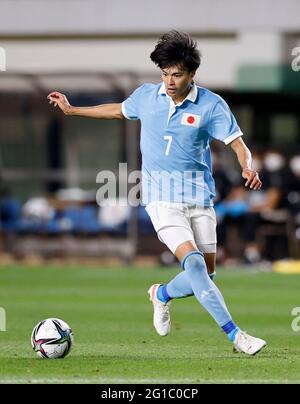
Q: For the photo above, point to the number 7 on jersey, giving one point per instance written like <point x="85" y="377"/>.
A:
<point x="169" y="139"/>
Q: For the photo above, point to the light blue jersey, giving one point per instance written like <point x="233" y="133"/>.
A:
<point x="175" y="142"/>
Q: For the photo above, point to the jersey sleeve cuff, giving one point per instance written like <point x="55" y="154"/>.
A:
<point x="232" y="137"/>
<point x="124" y="110"/>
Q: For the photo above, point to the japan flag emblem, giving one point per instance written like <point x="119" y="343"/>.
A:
<point x="190" y="120"/>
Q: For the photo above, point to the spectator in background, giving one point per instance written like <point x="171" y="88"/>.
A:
<point x="270" y="197"/>
<point x="293" y="186"/>
<point x="266" y="207"/>
<point x="249" y="211"/>
<point x="292" y="199"/>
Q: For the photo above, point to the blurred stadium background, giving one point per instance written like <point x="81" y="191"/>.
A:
<point x="97" y="52"/>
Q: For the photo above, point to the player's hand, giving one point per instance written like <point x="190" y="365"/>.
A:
<point x="61" y="101"/>
<point x="252" y="179"/>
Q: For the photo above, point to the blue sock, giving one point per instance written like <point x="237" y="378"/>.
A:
<point x="180" y="286"/>
<point x="230" y="329"/>
<point x="204" y="289"/>
<point x="162" y="294"/>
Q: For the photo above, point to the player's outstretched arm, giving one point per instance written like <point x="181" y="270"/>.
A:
<point x="104" y="111"/>
<point x="245" y="159"/>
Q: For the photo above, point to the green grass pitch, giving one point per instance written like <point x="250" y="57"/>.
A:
<point x="111" y="316"/>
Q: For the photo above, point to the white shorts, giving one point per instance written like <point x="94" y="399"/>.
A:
<point x="176" y="223"/>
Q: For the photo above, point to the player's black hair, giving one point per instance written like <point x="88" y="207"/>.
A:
<point x="176" y="49"/>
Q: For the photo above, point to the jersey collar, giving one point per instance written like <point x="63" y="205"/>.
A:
<point x="192" y="95"/>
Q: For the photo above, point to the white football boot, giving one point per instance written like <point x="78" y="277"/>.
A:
<point x="161" y="315"/>
<point x="247" y="344"/>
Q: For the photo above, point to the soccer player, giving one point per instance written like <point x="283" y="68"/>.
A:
<point x="178" y="121"/>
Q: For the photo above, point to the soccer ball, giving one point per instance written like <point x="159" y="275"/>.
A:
<point x="52" y="338"/>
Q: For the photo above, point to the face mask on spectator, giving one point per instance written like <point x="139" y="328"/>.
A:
<point x="295" y="165"/>
<point x="273" y="161"/>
